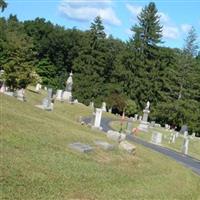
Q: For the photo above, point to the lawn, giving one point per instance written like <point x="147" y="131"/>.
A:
<point x="194" y="144"/>
<point x="36" y="162"/>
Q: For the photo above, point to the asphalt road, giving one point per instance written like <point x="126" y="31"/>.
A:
<point x="185" y="160"/>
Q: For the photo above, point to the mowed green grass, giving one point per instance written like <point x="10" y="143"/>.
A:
<point x="194" y="144"/>
<point x="36" y="162"/>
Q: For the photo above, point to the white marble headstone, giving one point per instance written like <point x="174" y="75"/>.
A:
<point x="98" y="115"/>
<point x="156" y="138"/>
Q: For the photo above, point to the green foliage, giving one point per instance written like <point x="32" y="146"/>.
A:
<point x="105" y="68"/>
<point x="3" y="5"/>
<point x="117" y="102"/>
<point x="131" y="107"/>
<point x="149" y="30"/>
<point x="17" y="56"/>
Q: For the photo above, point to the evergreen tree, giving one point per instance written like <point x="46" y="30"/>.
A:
<point x="191" y="45"/>
<point x="90" y="65"/>
<point x="147" y="35"/>
<point x="149" y="30"/>
<point x="17" y="59"/>
<point x="3" y="5"/>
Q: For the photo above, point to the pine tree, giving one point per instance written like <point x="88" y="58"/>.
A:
<point x="191" y="46"/>
<point x="147" y="36"/>
<point x="3" y="5"/>
<point x="149" y="30"/>
<point x="187" y="63"/>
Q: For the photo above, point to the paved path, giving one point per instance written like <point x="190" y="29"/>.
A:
<point x="185" y="160"/>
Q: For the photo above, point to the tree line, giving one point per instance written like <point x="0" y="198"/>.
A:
<point x="123" y="74"/>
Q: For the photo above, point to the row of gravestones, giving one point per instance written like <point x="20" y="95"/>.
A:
<point x="19" y="93"/>
<point x="157" y="139"/>
<point x="114" y="135"/>
<point x="156" y="136"/>
<point x="120" y="138"/>
<point x="85" y="148"/>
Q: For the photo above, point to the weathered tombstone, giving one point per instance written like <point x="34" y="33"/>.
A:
<point x="91" y="105"/>
<point x="167" y="126"/>
<point x="130" y="148"/>
<point x="9" y="93"/>
<point x="47" y="102"/>
<point x="157" y="125"/>
<point x="83" y="148"/>
<point x="67" y="94"/>
<point x="3" y="88"/>
<point x="144" y="122"/>
<point x="173" y="138"/>
<point x="185" y="145"/>
<point x="103" y="107"/>
<point x="152" y="123"/>
<point x="140" y="118"/>
<point x="92" y="119"/>
<point x="116" y="136"/>
<point x="59" y="95"/>
<point x="38" y="87"/>
<point x="136" y="117"/>
<point x="110" y="110"/>
<point x="183" y="129"/>
<point x="185" y="134"/>
<point x="20" y="94"/>
<point x="104" y="145"/>
<point x="97" y="120"/>
<point x="156" y="138"/>
<point x="75" y="101"/>
<point x="177" y="134"/>
<point x="129" y="127"/>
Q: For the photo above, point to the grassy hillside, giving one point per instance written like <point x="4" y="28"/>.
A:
<point x="36" y="162"/>
<point x="194" y="144"/>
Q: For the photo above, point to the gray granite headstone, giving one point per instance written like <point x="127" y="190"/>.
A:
<point x="20" y="94"/>
<point x="84" y="148"/>
<point x="185" y="145"/>
<point x="184" y="128"/>
<point x="104" y="145"/>
<point x="127" y="146"/>
<point x="156" y="138"/>
<point x="129" y="127"/>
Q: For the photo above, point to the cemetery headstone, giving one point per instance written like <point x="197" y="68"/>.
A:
<point x="152" y="123"/>
<point x="185" y="145"/>
<point x="173" y="138"/>
<point x="130" y="148"/>
<point x="116" y="136"/>
<point x="67" y="94"/>
<point x="47" y="103"/>
<point x="129" y="127"/>
<point x="59" y="95"/>
<point x="83" y="148"/>
<point x="3" y="88"/>
<point x="38" y="87"/>
<point x="97" y="120"/>
<point x="20" y="94"/>
<point x="185" y="134"/>
<point x="91" y="105"/>
<point x="144" y="122"/>
<point x="103" y="106"/>
<point x="183" y="129"/>
<point x="104" y="145"/>
<point x="136" y="117"/>
<point x="156" y="138"/>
